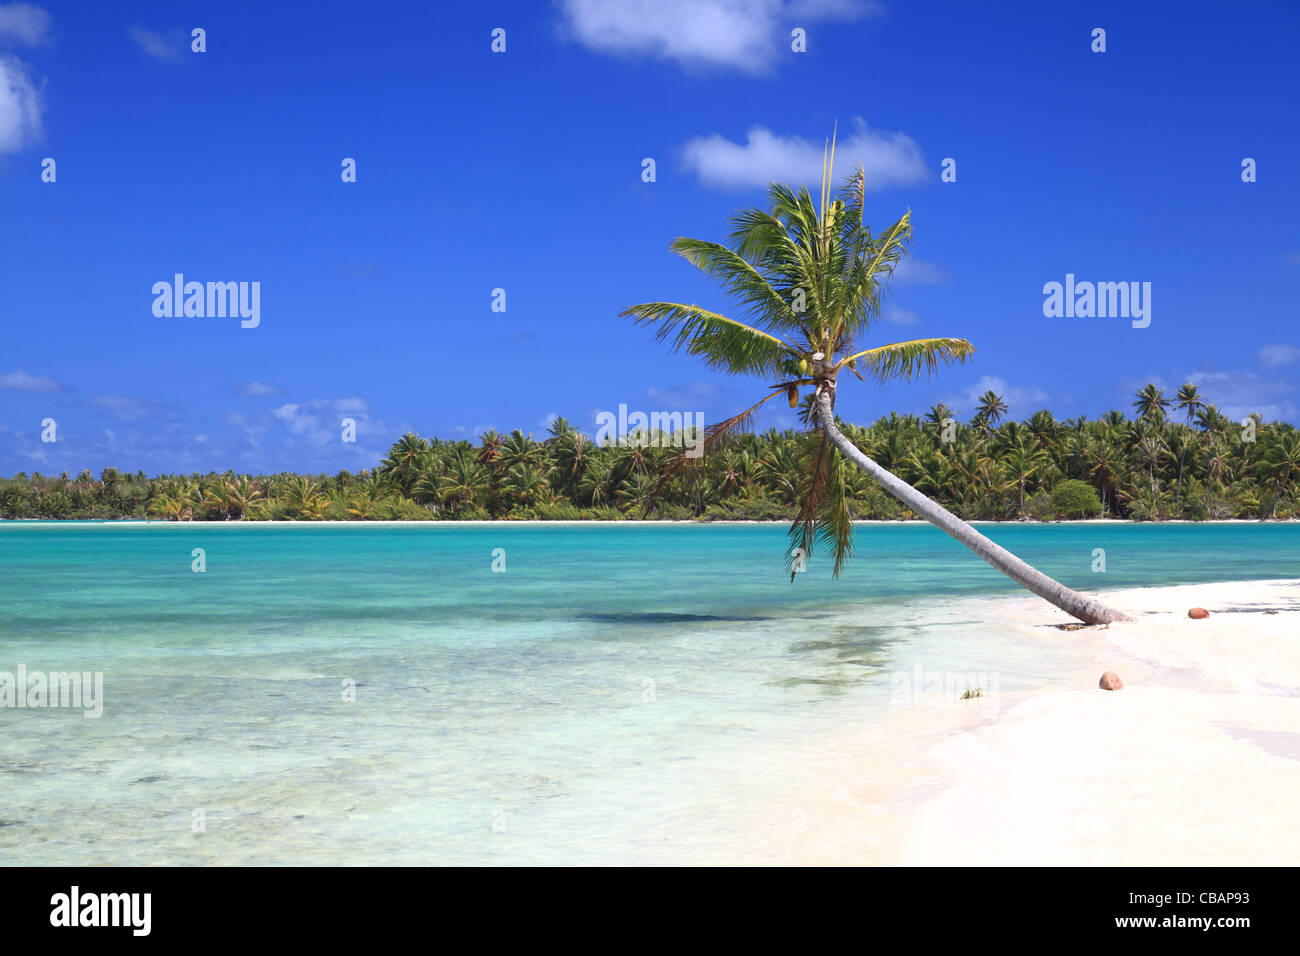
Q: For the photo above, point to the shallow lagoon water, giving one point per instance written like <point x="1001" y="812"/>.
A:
<point x="622" y="693"/>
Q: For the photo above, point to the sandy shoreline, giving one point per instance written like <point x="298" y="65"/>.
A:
<point x="1195" y="762"/>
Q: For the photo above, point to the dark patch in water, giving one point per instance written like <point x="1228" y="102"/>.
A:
<point x="855" y="645"/>
<point x="154" y="779"/>
<point x="826" y="682"/>
<point x="657" y="617"/>
<point x="12" y="823"/>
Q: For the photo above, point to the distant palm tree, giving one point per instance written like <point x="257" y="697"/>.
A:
<point x="1218" y="462"/>
<point x="938" y="414"/>
<point x="808" y="276"/>
<point x="170" y="509"/>
<point x="403" y="461"/>
<point x="1021" y="465"/>
<point x="780" y="471"/>
<point x="464" y="481"/>
<point x="734" y="472"/>
<point x="1102" y="459"/>
<point x="990" y="408"/>
<point x="306" y="499"/>
<point x="1212" y="420"/>
<point x="519" y="449"/>
<point x="1151" y="403"/>
<point x="594" y="486"/>
<point x="365" y="504"/>
<point x="1044" y="427"/>
<point x="1280" y="464"/>
<point x="559" y="429"/>
<point x="1151" y="448"/>
<point x="1187" y="400"/>
<point x="527" y="486"/>
<point x="490" y="443"/>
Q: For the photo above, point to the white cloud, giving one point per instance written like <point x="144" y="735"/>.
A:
<point x="256" y="389"/>
<point x="1271" y="356"/>
<point x="351" y="405"/>
<point x="465" y="430"/>
<point x="919" y="272"/>
<point x="901" y="316"/>
<point x="20" y="106"/>
<point x="738" y="34"/>
<point x="24" y="23"/>
<point x="1238" y="394"/>
<point x="22" y="382"/>
<point x="888" y="159"/>
<point x="320" y="421"/>
<point x="1022" y="400"/>
<point x="170" y="46"/>
<point x="132" y="408"/>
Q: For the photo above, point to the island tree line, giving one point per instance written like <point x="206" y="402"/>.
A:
<point x="1175" y="458"/>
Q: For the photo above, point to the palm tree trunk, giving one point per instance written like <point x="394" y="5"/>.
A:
<point x="1086" y="609"/>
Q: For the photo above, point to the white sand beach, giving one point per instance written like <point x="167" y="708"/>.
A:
<point x="1196" y="761"/>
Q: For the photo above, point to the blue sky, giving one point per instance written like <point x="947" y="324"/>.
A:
<point x="522" y="170"/>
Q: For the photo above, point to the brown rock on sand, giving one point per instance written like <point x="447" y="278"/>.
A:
<point x="1110" y="681"/>
<point x="1198" y="613"/>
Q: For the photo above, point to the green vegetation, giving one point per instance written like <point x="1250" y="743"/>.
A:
<point x="808" y="280"/>
<point x="1148" y="468"/>
<point x="1073" y="498"/>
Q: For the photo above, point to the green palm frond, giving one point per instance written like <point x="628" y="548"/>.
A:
<point x="906" y="360"/>
<point x="810" y="278"/>
<point x="824" y="516"/>
<point x="763" y="302"/>
<point x="889" y="247"/>
<point x="723" y="343"/>
<point x="872" y="263"/>
<point x="812" y="483"/>
<point x="679" y="463"/>
<point x="834" y="522"/>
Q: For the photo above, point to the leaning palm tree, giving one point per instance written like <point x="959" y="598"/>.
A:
<point x="809" y="278"/>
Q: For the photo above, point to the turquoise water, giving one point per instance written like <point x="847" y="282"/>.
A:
<point x="621" y="693"/>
